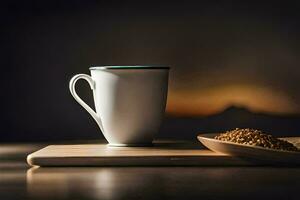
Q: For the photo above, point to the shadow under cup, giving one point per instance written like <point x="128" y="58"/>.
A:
<point x="130" y="102"/>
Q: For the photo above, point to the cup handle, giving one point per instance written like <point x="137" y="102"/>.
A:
<point x="80" y="101"/>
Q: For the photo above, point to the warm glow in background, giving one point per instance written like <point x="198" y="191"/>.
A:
<point x="214" y="100"/>
<point x="242" y="55"/>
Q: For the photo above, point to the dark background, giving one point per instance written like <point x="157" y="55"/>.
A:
<point x="233" y="63"/>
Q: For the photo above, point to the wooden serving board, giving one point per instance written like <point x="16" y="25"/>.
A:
<point x="160" y="154"/>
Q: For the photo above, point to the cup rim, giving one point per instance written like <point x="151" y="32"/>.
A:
<point x="105" y="67"/>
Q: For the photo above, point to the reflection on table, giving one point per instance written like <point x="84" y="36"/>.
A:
<point x="162" y="182"/>
<point x="17" y="181"/>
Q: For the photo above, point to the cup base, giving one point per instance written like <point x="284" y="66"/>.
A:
<point x="131" y="145"/>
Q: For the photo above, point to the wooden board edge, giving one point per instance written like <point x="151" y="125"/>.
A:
<point x="138" y="161"/>
<point x="31" y="157"/>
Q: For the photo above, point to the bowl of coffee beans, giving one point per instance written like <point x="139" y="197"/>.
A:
<point x="253" y="143"/>
<point x="255" y="137"/>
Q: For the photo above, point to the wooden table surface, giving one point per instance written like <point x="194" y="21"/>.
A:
<point x="19" y="181"/>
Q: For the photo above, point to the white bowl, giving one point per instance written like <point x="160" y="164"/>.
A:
<point x="254" y="153"/>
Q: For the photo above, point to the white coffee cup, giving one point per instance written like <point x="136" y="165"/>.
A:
<point x="130" y="101"/>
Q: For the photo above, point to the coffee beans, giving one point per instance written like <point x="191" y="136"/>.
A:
<point x="256" y="138"/>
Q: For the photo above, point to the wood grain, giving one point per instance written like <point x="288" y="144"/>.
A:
<point x="161" y="154"/>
